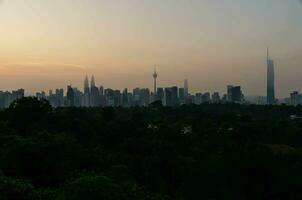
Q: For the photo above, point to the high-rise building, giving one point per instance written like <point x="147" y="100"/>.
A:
<point x="229" y="93"/>
<point x="86" y="96"/>
<point x="125" y="98"/>
<point x="109" y="97"/>
<point x="206" y="97"/>
<point x="160" y="94"/>
<point x="70" y="96"/>
<point x="295" y="98"/>
<point x="60" y="97"/>
<point x="174" y="91"/>
<point x="86" y="85"/>
<point x="270" y="80"/>
<point x="94" y="97"/>
<point x="215" y="97"/>
<point x="136" y="96"/>
<point x="234" y="94"/>
<point x="181" y="93"/>
<point x="6" y="98"/>
<point x="94" y="94"/>
<point x="168" y="97"/>
<point x="144" y="96"/>
<point x="186" y="88"/>
<point x="101" y="91"/>
<point x="117" y="98"/>
<point x="197" y="98"/>
<point x="102" y="96"/>
<point x="77" y="97"/>
<point x="92" y="81"/>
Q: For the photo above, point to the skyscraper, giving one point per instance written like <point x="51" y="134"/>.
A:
<point x="270" y="80"/>
<point x="295" y="98"/>
<point x="186" y="88"/>
<point x="86" y="85"/>
<point x="160" y="94"/>
<point x="94" y="93"/>
<point x="70" y="96"/>
<point x="86" y="97"/>
<point x="92" y="83"/>
<point x="234" y="94"/>
<point x="181" y="94"/>
<point x="174" y="92"/>
<point x="168" y="97"/>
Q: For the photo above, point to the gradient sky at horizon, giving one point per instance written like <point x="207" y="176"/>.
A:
<point x="51" y="43"/>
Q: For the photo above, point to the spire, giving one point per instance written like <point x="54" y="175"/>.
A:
<point x="86" y="84"/>
<point x="267" y="53"/>
<point x="155" y="73"/>
<point x="92" y="84"/>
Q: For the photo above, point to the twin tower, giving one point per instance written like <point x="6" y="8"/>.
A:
<point x="86" y="84"/>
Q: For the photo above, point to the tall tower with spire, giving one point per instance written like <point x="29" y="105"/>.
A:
<point x="86" y="85"/>
<point x="270" y="80"/>
<point x="155" y="75"/>
<point x="86" y="96"/>
<point x="92" y="83"/>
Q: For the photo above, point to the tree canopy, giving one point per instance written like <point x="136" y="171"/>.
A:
<point x="211" y="152"/>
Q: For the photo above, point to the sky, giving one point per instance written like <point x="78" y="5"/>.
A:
<point x="213" y="43"/>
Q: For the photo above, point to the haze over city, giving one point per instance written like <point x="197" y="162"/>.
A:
<point x="51" y="43"/>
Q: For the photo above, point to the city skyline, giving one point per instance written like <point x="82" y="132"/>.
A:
<point x="48" y="44"/>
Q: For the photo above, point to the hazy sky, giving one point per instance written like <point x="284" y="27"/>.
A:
<point x="48" y="44"/>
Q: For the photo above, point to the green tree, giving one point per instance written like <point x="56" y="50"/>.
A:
<point x="92" y="187"/>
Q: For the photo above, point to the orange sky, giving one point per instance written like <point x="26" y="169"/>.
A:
<point x="51" y="43"/>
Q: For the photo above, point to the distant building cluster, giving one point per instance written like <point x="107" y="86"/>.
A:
<point x="295" y="99"/>
<point x="98" y="96"/>
<point x="6" y="98"/>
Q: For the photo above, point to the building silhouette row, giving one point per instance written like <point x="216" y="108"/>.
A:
<point x="98" y="96"/>
<point x="94" y="96"/>
<point x="6" y="98"/>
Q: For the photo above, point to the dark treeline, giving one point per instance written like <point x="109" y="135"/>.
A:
<point x="211" y="152"/>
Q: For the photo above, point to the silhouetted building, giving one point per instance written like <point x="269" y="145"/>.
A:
<point x="168" y="97"/>
<point x="78" y="97"/>
<point x="70" y="96"/>
<point x="186" y="88"/>
<point x="270" y="80"/>
<point x="144" y="97"/>
<point x="181" y="94"/>
<point x="197" y="98"/>
<point x="234" y="94"/>
<point x="59" y="97"/>
<point x="94" y="94"/>
<point x="174" y="91"/>
<point x="109" y="97"/>
<point x="6" y="98"/>
<point x="206" y="97"/>
<point x="215" y="97"/>
<point x="86" y="97"/>
<point x="295" y="98"/>
<point x="161" y="95"/>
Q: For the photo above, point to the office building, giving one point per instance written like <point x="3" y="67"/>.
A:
<point x="270" y="80"/>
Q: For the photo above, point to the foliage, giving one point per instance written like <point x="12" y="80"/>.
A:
<point x="211" y="151"/>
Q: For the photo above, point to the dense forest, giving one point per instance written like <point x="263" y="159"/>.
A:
<point x="210" y="152"/>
